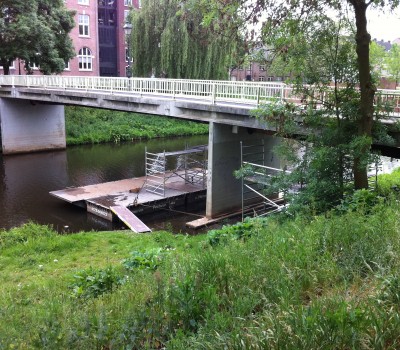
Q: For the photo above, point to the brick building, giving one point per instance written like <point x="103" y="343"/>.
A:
<point x="98" y="38"/>
<point x="253" y="72"/>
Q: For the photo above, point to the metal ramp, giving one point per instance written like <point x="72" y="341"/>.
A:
<point x="255" y="180"/>
<point x="129" y="219"/>
<point x="191" y="165"/>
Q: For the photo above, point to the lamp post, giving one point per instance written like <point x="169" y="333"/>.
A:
<point x="128" y="30"/>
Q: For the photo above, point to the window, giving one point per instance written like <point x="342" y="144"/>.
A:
<point x="83" y="2"/>
<point x="126" y="14"/>
<point x="67" y="67"/>
<point x="85" y="59"/>
<point x="262" y="66"/>
<point x="83" y="22"/>
<point x="127" y="2"/>
<point x="140" y="3"/>
<point x="261" y="78"/>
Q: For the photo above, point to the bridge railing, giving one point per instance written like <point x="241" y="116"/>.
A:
<point x="211" y="91"/>
<point x="208" y="91"/>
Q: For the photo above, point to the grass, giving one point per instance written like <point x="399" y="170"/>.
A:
<point x="88" y="125"/>
<point x="329" y="282"/>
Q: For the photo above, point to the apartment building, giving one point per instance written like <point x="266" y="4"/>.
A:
<point x="98" y="38"/>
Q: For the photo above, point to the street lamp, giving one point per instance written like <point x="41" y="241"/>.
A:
<point x="128" y="30"/>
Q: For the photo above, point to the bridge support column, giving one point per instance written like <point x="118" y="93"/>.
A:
<point x="224" y="192"/>
<point x="30" y="127"/>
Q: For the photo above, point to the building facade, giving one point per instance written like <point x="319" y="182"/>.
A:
<point x="253" y="72"/>
<point x="98" y="38"/>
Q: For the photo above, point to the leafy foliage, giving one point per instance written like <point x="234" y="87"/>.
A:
<point x="239" y="231"/>
<point x="37" y="32"/>
<point x="171" y="40"/>
<point x="92" y="283"/>
<point x="148" y="260"/>
<point x="393" y="63"/>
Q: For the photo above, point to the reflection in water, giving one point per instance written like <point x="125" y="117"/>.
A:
<point x="26" y="180"/>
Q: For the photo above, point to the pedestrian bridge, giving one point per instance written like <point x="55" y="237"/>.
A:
<point x="32" y="116"/>
<point x="226" y="102"/>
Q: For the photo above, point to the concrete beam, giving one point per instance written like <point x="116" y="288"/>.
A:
<point x="31" y="126"/>
<point x="224" y="191"/>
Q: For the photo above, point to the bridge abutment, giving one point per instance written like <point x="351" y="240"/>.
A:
<point x="224" y="192"/>
<point x="31" y="126"/>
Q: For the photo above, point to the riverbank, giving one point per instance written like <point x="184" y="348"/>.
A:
<point x="329" y="281"/>
<point x="90" y="126"/>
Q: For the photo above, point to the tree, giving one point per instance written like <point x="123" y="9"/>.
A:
<point x="169" y="38"/>
<point x="393" y="63"/>
<point x="378" y="59"/>
<point x="37" y="32"/>
<point x="270" y="15"/>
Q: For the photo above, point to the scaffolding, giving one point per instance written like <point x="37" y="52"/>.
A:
<point x="191" y="165"/>
<point x="255" y="181"/>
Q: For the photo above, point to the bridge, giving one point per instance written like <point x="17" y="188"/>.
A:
<point x="32" y="116"/>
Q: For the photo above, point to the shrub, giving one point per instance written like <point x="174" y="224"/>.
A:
<point x="143" y="260"/>
<point x="240" y="231"/>
<point x="92" y="283"/>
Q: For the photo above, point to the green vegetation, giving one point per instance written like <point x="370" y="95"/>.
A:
<point x="86" y="125"/>
<point x="329" y="282"/>
<point x="36" y="32"/>
<point x="180" y="45"/>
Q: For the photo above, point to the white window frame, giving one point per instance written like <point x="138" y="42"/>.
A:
<point x="83" y="2"/>
<point x="84" y="24"/>
<point x="85" y="59"/>
<point x="127" y="2"/>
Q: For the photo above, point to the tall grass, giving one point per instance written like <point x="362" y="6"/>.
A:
<point x="89" y="125"/>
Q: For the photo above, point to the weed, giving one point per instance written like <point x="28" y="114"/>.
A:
<point x="92" y="283"/>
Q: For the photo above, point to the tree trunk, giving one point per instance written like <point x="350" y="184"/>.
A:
<point x="367" y="90"/>
<point x="6" y="66"/>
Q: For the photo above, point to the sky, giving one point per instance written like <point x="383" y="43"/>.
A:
<point x="384" y="26"/>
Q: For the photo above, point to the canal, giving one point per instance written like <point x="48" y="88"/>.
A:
<point x="27" y="179"/>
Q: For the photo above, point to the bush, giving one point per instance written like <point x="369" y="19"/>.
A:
<point x="143" y="260"/>
<point x="239" y="231"/>
<point x="91" y="283"/>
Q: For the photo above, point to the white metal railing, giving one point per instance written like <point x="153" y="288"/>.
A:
<point x="252" y="93"/>
<point x="208" y="91"/>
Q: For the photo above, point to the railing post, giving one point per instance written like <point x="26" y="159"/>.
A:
<point x="282" y="92"/>
<point x="141" y="87"/>
<point x="258" y="95"/>
<point x="213" y="93"/>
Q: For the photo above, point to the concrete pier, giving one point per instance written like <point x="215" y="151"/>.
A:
<point x="223" y="189"/>
<point x="31" y="126"/>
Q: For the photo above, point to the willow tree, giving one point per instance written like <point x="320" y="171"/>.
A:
<point x="37" y="32"/>
<point x="170" y="39"/>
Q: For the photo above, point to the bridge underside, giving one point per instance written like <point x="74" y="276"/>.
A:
<point x="29" y="126"/>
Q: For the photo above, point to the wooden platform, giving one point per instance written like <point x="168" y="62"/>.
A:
<point x="99" y="198"/>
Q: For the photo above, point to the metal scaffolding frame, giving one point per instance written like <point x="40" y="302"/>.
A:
<point x="254" y="202"/>
<point x="191" y="165"/>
